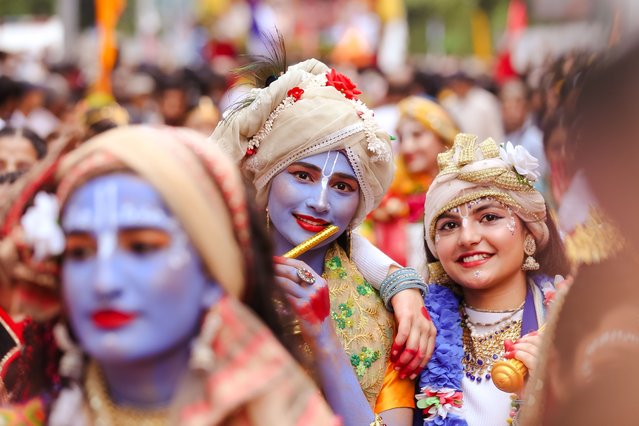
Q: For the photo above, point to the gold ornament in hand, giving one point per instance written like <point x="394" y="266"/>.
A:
<point x="311" y="242"/>
<point x="509" y="375"/>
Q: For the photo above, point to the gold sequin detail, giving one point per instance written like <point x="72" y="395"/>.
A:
<point x="370" y="326"/>
<point x="465" y="151"/>
<point x="497" y="176"/>
<point x="466" y="145"/>
<point x="489" y="148"/>
<point x="594" y="240"/>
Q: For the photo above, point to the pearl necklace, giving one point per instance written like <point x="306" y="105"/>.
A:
<point x="492" y="311"/>
<point x="471" y="324"/>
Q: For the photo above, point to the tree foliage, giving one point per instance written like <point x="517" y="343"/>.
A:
<point x="11" y="8"/>
<point x="456" y="16"/>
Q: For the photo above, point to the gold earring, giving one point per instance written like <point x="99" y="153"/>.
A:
<point x="268" y="222"/>
<point x="349" y="235"/>
<point x="530" y="247"/>
<point x="437" y="274"/>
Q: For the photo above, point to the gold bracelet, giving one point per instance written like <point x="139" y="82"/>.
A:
<point x="378" y="421"/>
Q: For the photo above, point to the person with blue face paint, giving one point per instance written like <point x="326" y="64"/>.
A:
<point x="316" y="157"/>
<point x="159" y="258"/>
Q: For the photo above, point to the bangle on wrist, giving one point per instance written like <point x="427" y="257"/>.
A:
<point x="400" y="280"/>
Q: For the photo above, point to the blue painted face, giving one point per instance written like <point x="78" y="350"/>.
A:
<point x="133" y="285"/>
<point x="311" y="194"/>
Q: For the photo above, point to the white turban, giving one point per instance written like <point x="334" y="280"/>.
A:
<point x="304" y="113"/>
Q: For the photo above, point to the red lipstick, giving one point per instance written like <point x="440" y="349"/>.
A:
<point x="109" y="319"/>
<point x="473" y="259"/>
<point x="311" y="224"/>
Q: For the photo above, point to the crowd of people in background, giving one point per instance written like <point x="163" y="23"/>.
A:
<point x="430" y="116"/>
<point x="533" y="114"/>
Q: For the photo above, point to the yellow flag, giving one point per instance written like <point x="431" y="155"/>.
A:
<point x="482" y="43"/>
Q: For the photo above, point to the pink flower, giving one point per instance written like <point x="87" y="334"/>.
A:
<point x="440" y="403"/>
<point x="549" y="297"/>
<point x="342" y="83"/>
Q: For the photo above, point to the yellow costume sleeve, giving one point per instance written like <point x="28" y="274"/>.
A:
<point x="395" y="392"/>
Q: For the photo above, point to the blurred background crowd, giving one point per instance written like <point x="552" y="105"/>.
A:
<point x="508" y="69"/>
<point x="512" y="70"/>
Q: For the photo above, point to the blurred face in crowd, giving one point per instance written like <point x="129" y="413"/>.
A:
<point x="31" y="100"/>
<point x="555" y="147"/>
<point x="173" y="106"/>
<point x="16" y="154"/>
<point x="418" y="146"/>
<point x="514" y="106"/>
<point x="460" y="86"/>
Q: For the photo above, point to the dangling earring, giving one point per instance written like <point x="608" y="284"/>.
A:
<point x="202" y="355"/>
<point x="268" y="222"/>
<point x="71" y="361"/>
<point x="349" y="236"/>
<point x="437" y="274"/>
<point x="530" y="264"/>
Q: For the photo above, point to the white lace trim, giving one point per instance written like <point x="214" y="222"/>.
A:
<point x="375" y="145"/>
<point x="255" y="141"/>
<point x="266" y="128"/>
<point x="364" y="186"/>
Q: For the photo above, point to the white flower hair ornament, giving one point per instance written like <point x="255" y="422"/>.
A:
<point x="524" y="164"/>
<point x="41" y="228"/>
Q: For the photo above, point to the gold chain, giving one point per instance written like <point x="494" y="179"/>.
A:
<point x="481" y="352"/>
<point x="493" y="311"/>
<point x="106" y="413"/>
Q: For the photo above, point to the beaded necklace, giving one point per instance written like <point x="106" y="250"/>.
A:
<point x="106" y="413"/>
<point x="481" y="351"/>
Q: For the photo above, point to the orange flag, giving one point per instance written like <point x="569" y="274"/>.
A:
<point x="107" y="13"/>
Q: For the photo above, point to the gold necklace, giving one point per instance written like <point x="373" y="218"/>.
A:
<point x="106" y="413"/>
<point x="482" y="351"/>
<point x="492" y="311"/>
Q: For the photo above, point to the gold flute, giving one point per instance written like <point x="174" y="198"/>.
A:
<point x="510" y="375"/>
<point x="311" y="242"/>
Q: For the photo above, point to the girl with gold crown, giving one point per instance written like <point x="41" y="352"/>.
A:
<point x="146" y="257"/>
<point x="317" y="157"/>
<point x="493" y="254"/>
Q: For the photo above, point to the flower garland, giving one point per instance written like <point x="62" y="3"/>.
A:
<point x="441" y="397"/>
<point x="444" y="371"/>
